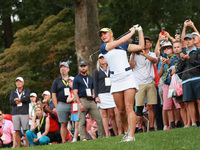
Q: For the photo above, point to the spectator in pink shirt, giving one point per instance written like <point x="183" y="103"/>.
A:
<point x="7" y="132"/>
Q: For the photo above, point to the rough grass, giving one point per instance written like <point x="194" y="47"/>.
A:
<point x="176" y="139"/>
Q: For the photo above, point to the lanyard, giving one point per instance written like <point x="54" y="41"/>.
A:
<point x="32" y="106"/>
<point x="50" y="100"/>
<point x="106" y="72"/>
<point x="72" y="94"/>
<point x="3" y="125"/>
<point x="41" y="123"/>
<point x="66" y="84"/>
<point x="86" y="83"/>
<point x="19" y="95"/>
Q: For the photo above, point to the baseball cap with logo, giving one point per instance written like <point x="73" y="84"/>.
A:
<point x="190" y="36"/>
<point x="100" y="55"/>
<point x="33" y="94"/>
<point x="104" y="30"/>
<point x="82" y="63"/>
<point x="46" y="93"/>
<point x="166" y="44"/>
<point x="64" y="64"/>
<point x="195" y="33"/>
<point x="20" y="79"/>
<point x="71" y="78"/>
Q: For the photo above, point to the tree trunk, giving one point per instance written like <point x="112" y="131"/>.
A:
<point x="86" y="28"/>
<point x="6" y="9"/>
<point x="8" y="35"/>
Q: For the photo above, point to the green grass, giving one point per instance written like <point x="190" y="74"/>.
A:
<point x="176" y="139"/>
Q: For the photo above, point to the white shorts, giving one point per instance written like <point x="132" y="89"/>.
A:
<point x="107" y="101"/>
<point x="123" y="81"/>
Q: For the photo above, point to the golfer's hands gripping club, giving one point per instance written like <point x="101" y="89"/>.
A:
<point x="137" y="27"/>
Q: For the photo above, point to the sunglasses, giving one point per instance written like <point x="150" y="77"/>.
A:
<point x="36" y="106"/>
<point x="167" y="48"/>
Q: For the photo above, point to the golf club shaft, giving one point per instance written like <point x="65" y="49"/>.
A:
<point x="115" y="39"/>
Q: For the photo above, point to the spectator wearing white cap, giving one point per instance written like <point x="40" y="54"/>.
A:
<point x="168" y="59"/>
<point x="60" y="91"/>
<point x="47" y="98"/>
<point x="19" y="100"/>
<point x="33" y="101"/>
<point x="102" y="94"/>
<point x="196" y="39"/>
<point x="191" y="77"/>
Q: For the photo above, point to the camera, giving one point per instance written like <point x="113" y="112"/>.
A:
<point x="187" y="18"/>
<point x="164" y="55"/>
<point x="178" y="31"/>
<point x="162" y="30"/>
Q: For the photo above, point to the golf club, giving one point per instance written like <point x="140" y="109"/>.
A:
<point x="90" y="57"/>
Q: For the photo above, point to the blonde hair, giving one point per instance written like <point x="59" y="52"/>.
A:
<point x="38" y="106"/>
<point x="98" y="64"/>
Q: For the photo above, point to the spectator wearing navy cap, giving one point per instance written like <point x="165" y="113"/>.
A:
<point x="84" y="95"/>
<point x="144" y="74"/>
<point x="189" y="23"/>
<point x="191" y="77"/>
<point x="60" y="91"/>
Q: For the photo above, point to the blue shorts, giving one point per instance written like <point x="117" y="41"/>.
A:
<point x="74" y="117"/>
<point x="191" y="90"/>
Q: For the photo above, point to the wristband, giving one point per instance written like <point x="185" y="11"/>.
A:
<point x="80" y="104"/>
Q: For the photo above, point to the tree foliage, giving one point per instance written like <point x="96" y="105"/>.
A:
<point x="36" y="53"/>
<point x="28" y="12"/>
<point x="151" y="15"/>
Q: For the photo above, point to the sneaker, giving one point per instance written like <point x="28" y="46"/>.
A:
<point x="151" y="129"/>
<point x="84" y="140"/>
<point x="125" y="134"/>
<point x="179" y="124"/>
<point x="198" y="123"/>
<point x="165" y="128"/>
<point x="74" y="140"/>
<point x="194" y="125"/>
<point x="107" y="136"/>
<point x="172" y="125"/>
<point x="128" y="139"/>
<point x="140" y="130"/>
<point x="168" y="128"/>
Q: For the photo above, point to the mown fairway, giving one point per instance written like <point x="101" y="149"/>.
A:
<point x="177" y="139"/>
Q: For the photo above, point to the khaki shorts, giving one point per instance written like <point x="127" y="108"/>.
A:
<point x="20" y="121"/>
<point x="146" y="90"/>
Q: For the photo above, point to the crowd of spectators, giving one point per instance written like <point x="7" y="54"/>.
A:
<point x="83" y="108"/>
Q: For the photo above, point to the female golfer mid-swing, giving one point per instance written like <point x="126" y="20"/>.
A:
<point x="123" y="84"/>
